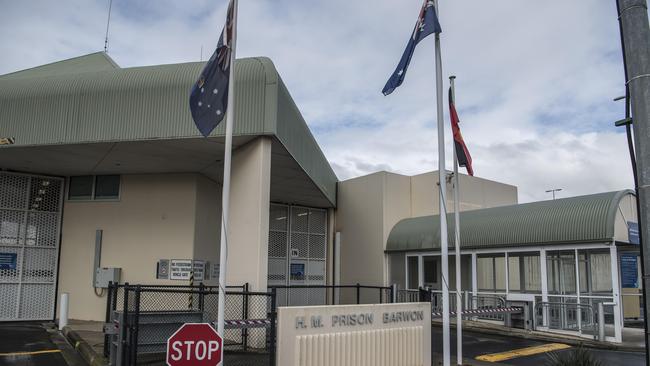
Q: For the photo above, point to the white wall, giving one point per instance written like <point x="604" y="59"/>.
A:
<point x="368" y="207"/>
<point x="153" y="219"/>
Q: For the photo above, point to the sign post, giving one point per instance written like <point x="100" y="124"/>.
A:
<point x="195" y="344"/>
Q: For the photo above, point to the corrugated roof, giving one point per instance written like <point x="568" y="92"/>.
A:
<point x="54" y="104"/>
<point x="580" y="219"/>
<point x="98" y="61"/>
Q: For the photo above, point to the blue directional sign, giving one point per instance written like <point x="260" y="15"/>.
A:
<point x="8" y="261"/>
<point x="629" y="275"/>
<point x="633" y="233"/>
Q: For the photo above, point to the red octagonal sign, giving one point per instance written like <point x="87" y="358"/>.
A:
<point x="195" y="344"/>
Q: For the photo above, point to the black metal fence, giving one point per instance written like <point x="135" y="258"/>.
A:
<point x="141" y="318"/>
<point x="299" y="295"/>
<point x="144" y="317"/>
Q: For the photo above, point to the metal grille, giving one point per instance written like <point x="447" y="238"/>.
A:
<point x="30" y="217"/>
<point x="298" y="251"/>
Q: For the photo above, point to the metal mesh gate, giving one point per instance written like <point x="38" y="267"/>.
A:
<point x="30" y="220"/>
<point x="297" y="252"/>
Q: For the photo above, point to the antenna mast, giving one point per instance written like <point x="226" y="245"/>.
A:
<point x="108" y="22"/>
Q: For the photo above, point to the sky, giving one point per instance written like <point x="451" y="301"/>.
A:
<point x="534" y="90"/>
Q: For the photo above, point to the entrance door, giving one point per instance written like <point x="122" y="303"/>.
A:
<point x="30" y="221"/>
<point x="563" y="313"/>
<point x="297" y="253"/>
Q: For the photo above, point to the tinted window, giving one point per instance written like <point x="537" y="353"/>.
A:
<point x="81" y="188"/>
<point x="107" y="186"/>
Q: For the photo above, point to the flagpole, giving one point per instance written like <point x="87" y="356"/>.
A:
<point x="225" y="193"/>
<point x="444" y="253"/>
<point x="459" y="298"/>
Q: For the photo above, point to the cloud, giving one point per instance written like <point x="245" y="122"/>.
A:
<point x="534" y="90"/>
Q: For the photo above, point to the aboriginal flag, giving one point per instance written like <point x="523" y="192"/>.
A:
<point x="464" y="158"/>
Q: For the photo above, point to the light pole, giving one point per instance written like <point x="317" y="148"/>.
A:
<point x="553" y="191"/>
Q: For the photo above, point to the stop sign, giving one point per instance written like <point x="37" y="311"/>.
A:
<point x="194" y="344"/>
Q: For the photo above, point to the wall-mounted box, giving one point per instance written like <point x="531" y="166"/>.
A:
<point x="105" y="275"/>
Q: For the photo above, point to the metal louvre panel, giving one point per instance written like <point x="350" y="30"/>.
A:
<point x="36" y="301"/>
<point x="39" y="265"/>
<point x="278" y="218"/>
<point x="277" y="244"/>
<point x="300" y="242"/>
<point x="299" y="220"/>
<point x="30" y="220"/>
<point x="8" y="300"/>
<point x="45" y="194"/>
<point x="317" y="246"/>
<point x="14" y="191"/>
<point x="11" y="227"/>
<point x="317" y="222"/>
<point x="42" y="229"/>
<point x="11" y="275"/>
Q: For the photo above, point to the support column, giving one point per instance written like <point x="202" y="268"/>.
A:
<point x="474" y="283"/>
<point x="250" y="196"/>
<point x="544" y="283"/>
<point x="616" y="292"/>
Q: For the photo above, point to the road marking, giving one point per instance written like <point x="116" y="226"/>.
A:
<point x="30" y="353"/>
<point x="528" y="351"/>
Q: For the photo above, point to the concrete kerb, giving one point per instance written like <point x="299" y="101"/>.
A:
<point x="486" y="328"/>
<point x="85" y="350"/>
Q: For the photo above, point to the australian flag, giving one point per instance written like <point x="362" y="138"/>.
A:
<point x="427" y="23"/>
<point x="209" y="95"/>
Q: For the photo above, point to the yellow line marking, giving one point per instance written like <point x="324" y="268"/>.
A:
<point x="502" y="356"/>
<point x="30" y="353"/>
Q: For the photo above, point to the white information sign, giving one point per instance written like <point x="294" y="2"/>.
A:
<point x="199" y="270"/>
<point x="397" y="334"/>
<point x="180" y="269"/>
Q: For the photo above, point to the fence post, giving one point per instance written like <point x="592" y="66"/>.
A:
<point x="272" y="346"/>
<point x="393" y="293"/>
<point x="201" y="298"/>
<point x="125" y="325"/>
<point x="381" y="295"/>
<point x="245" y="315"/>
<point x="358" y="293"/>
<point x="466" y="299"/>
<point x="136" y="326"/>
<point x="109" y="306"/>
<point x="421" y="295"/>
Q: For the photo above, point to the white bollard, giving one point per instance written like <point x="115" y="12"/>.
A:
<point x="63" y="311"/>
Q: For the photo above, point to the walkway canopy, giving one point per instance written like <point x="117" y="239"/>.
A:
<point x="594" y="218"/>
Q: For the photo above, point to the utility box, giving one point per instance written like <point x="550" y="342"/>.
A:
<point x="105" y="275"/>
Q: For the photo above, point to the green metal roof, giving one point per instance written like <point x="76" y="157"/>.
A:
<point x="90" y="99"/>
<point x="583" y="219"/>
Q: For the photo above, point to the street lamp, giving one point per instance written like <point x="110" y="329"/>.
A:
<point x="553" y="191"/>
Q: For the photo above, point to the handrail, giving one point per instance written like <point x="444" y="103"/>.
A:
<point x="566" y="306"/>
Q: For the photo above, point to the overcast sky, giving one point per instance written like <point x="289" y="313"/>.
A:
<point x="534" y="90"/>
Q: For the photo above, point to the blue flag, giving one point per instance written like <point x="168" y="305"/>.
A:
<point x="209" y="95"/>
<point x="427" y="23"/>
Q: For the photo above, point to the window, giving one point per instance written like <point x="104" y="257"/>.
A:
<point x="430" y="271"/>
<point x="595" y="272"/>
<point x="413" y="273"/>
<point x="91" y="187"/>
<point x="524" y="272"/>
<point x="491" y="272"/>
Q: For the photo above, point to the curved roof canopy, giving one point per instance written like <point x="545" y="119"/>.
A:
<point x="91" y="100"/>
<point x="583" y="219"/>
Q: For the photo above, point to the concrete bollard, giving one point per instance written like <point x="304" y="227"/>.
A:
<point x="63" y="311"/>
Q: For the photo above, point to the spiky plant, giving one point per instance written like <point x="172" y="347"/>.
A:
<point x="576" y="357"/>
